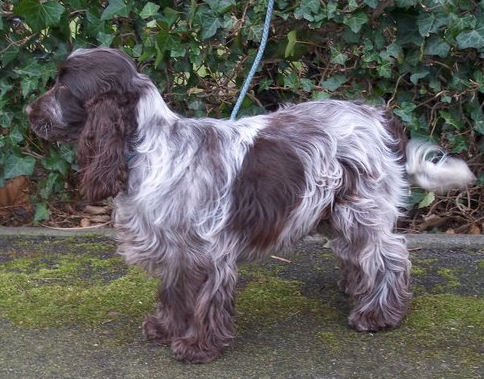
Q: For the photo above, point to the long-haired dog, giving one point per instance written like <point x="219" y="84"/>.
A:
<point x="195" y="196"/>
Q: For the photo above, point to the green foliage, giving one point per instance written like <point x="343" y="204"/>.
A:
<point x="421" y="58"/>
<point x="39" y="15"/>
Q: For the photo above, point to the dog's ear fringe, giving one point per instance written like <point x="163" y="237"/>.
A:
<point x="102" y="147"/>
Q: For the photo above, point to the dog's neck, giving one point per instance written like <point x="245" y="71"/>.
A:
<point x="152" y="106"/>
<point x="151" y="110"/>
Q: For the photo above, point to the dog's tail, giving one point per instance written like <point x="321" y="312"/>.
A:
<point x="429" y="167"/>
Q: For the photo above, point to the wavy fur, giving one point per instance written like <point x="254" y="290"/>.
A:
<point x="431" y="168"/>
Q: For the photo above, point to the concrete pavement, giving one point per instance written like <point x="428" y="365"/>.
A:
<point x="69" y="308"/>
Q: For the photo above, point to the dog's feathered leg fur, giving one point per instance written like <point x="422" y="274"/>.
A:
<point x="376" y="273"/>
<point x="211" y="327"/>
<point x="374" y="261"/>
<point x="196" y="310"/>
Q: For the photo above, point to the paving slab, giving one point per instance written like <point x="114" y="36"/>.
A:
<point x="70" y="308"/>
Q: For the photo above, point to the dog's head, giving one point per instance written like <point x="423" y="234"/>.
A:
<point x="93" y="103"/>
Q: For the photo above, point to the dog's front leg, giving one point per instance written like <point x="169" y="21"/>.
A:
<point x="171" y="319"/>
<point x="196" y="310"/>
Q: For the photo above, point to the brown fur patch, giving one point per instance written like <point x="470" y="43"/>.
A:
<point x="397" y="130"/>
<point x="267" y="189"/>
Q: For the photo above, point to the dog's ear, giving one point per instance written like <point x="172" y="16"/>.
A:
<point x="102" y="148"/>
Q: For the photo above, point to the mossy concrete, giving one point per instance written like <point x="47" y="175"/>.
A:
<point x="69" y="307"/>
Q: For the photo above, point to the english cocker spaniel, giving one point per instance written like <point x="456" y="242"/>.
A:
<point x="195" y="196"/>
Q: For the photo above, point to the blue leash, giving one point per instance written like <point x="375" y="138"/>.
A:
<point x="258" y="57"/>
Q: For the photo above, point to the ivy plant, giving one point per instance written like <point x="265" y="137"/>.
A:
<point x="422" y="59"/>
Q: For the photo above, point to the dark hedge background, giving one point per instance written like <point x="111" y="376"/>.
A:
<point x="423" y="59"/>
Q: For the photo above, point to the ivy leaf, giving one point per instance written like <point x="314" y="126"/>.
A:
<point x="47" y="185"/>
<point x="331" y="10"/>
<point x="395" y="50"/>
<point x="458" y="142"/>
<point x="54" y="162"/>
<point x="209" y="28"/>
<point x="149" y="10"/>
<point x="479" y="126"/>
<point x="427" y="200"/>
<point x="416" y="76"/>
<point x="385" y="70"/>
<point x="477" y="116"/>
<point x="446" y="99"/>
<point x="334" y="82"/>
<point x="352" y="5"/>
<point x="307" y="85"/>
<point x="28" y="85"/>
<point x="16" y="166"/>
<point x="320" y="95"/>
<point x="10" y="55"/>
<point x="41" y="212"/>
<point x="437" y="46"/>
<point x="405" y="112"/>
<point x="33" y="69"/>
<point x="356" y="21"/>
<point x="451" y="119"/>
<point x="425" y="24"/>
<point x="15" y="136"/>
<point x="291" y="81"/>
<point x="221" y="6"/>
<point x="338" y="57"/>
<point x="473" y="39"/>
<point x="34" y="73"/>
<point x="415" y="197"/>
<point x="105" y="39"/>
<point x="170" y="16"/>
<point x="459" y="81"/>
<point x="435" y="84"/>
<point x="178" y="51"/>
<point x="264" y="84"/>
<point x="372" y="3"/>
<point x="479" y="79"/>
<point x="407" y="31"/>
<point x="254" y="32"/>
<point x="307" y="9"/>
<point x="115" y="8"/>
<point x="40" y="15"/>
<point x="291" y="42"/>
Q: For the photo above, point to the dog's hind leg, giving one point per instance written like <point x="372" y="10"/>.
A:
<point x="375" y="265"/>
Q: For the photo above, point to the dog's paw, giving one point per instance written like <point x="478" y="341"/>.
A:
<point x="154" y="331"/>
<point x="373" y="320"/>
<point x="187" y="351"/>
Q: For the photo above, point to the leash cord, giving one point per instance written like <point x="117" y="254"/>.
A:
<point x="253" y="69"/>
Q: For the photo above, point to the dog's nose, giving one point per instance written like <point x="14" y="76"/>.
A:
<point x="28" y="109"/>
